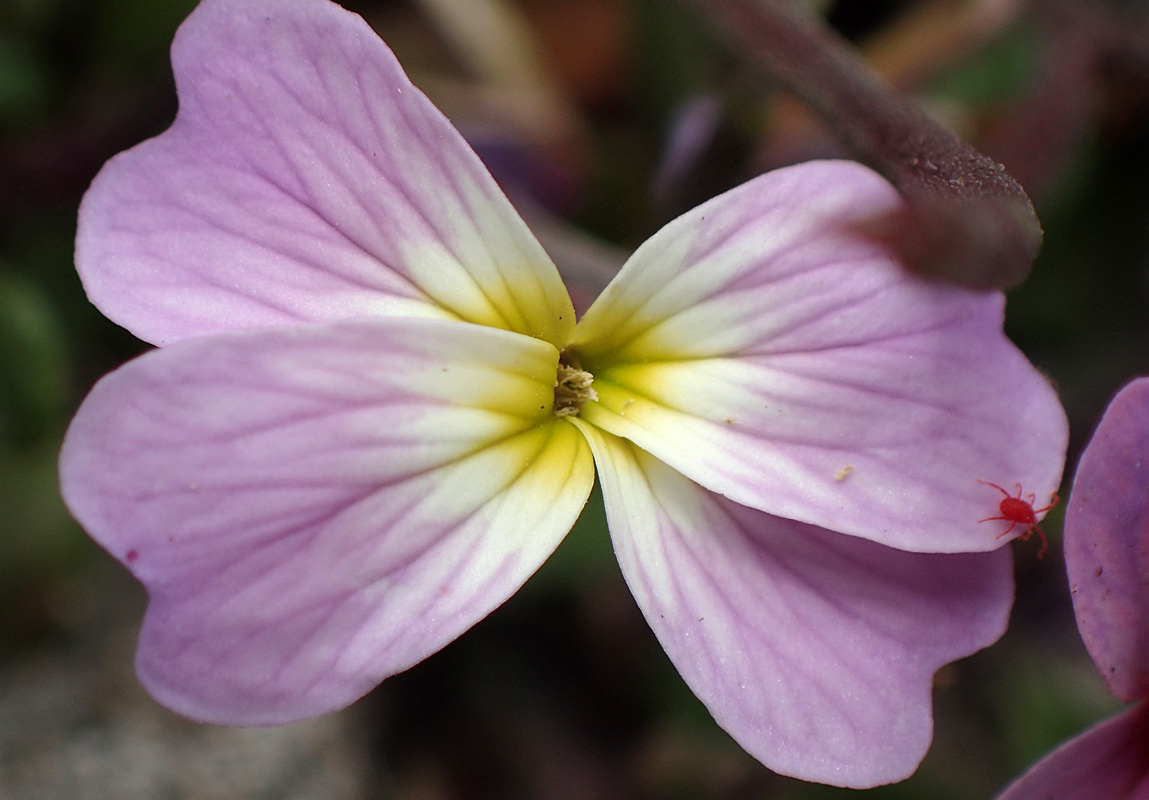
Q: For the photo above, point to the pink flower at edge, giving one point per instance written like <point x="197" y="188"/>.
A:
<point x="350" y="447"/>
<point x="1107" y="558"/>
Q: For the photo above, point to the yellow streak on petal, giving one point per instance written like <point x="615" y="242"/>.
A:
<point x="513" y="289"/>
<point x="552" y="455"/>
<point x="512" y="376"/>
<point x="623" y="411"/>
<point x="520" y="481"/>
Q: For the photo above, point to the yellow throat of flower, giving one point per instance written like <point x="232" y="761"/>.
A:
<point x="572" y="389"/>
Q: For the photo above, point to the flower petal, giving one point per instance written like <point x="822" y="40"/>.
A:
<point x="815" y="651"/>
<point x="313" y="509"/>
<point x="1107" y="543"/>
<point x="305" y="179"/>
<point x="1109" y="761"/>
<point x="766" y="350"/>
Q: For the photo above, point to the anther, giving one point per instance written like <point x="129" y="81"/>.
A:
<point x="572" y="390"/>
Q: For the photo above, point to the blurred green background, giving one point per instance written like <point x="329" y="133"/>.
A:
<point x="607" y="118"/>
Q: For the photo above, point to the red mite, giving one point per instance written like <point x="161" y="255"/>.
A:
<point x="1016" y="512"/>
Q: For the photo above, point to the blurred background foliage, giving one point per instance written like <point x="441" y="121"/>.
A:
<point x="603" y="119"/>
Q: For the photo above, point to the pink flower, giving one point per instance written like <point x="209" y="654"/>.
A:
<point x="373" y="415"/>
<point x="1107" y="558"/>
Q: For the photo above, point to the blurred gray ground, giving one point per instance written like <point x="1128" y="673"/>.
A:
<point x="76" y="725"/>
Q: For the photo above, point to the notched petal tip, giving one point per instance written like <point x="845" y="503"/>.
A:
<point x="815" y="651"/>
<point x="305" y="179"/>
<point x="761" y="347"/>
<point x="317" y="508"/>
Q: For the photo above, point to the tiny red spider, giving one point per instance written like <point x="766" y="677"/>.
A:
<point x="1016" y="512"/>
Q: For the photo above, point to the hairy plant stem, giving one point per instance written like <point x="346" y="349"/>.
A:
<point x="967" y="221"/>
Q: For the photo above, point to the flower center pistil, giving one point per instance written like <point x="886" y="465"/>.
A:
<point x="572" y="387"/>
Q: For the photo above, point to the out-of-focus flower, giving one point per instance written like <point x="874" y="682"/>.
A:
<point x="373" y="416"/>
<point x="1107" y="558"/>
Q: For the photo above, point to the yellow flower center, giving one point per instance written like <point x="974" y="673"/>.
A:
<point x="572" y="387"/>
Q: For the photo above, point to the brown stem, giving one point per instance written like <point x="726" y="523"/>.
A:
<point x="967" y="221"/>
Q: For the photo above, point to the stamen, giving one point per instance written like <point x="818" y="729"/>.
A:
<point x="572" y="389"/>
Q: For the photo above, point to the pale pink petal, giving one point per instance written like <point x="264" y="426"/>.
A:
<point x="1107" y="543"/>
<point x="815" y="651"/>
<point x="1108" y="762"/>
<point x="305" y="179"/>
<point x="313" y="509"/>
<point x="765" y="349"/>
